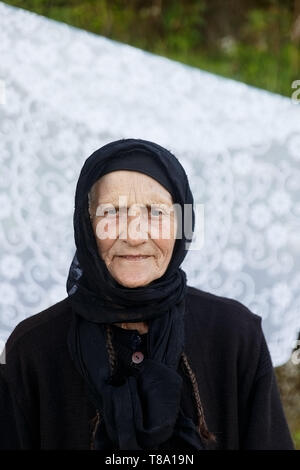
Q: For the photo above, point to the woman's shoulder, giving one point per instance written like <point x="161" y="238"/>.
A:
<point x="227" y="332"/>
<point x="44" y="327"/>
<point x="225" y="315"/>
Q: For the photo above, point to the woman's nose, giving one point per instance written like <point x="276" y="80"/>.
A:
<point x="137" y="229"/>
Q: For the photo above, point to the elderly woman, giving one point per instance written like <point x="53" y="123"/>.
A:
<point x="133" y="358"/>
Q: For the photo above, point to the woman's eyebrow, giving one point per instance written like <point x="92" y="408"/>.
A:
<point x="149" y="203"/>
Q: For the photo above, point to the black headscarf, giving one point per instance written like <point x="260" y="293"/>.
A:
<point x="144" y="411"/>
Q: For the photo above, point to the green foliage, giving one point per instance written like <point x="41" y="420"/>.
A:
<point x="296" y="437"/>
<point x="288" y="378"/>
<point x="252" y="43"/>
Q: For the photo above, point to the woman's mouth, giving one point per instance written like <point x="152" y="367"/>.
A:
<point x="135" y="258"/>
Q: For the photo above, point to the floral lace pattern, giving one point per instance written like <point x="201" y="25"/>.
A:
<point x="68" y="92"/>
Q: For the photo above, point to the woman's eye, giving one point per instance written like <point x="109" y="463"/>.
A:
<point x="156" y="212"/>
<point x="110" y="212"/>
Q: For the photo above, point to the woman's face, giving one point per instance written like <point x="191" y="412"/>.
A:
<point x="132" y="214"/>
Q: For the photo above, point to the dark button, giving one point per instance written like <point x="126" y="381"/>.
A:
<point x="135" y="341"/>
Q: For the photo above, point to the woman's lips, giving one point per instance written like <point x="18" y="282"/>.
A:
<point x="135" y="258"/>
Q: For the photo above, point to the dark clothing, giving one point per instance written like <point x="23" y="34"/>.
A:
<point x="153" y="412"/>
<point x="44" y="402"/>
<point x="125" y="343"/>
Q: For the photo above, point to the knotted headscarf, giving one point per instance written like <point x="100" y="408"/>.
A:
<point x="145" y="410"/>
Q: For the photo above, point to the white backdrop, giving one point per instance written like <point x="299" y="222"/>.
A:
<point x="67" y="92"/>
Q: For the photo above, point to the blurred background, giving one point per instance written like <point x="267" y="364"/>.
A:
<point x="255" y="42"/>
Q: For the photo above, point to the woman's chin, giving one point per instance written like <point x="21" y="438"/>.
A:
<point x="133" y="279"/>
<point x="132" y="274"/>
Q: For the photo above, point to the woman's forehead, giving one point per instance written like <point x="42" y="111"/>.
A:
<point x="131" y="184"/>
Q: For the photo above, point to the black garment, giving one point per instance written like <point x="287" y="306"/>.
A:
<point x="44" y="402"/>
<point x="153" y="412"/>
<point x="126" y="342"/>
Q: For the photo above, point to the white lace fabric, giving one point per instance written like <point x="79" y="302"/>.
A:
<point x="68" y="92"/>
